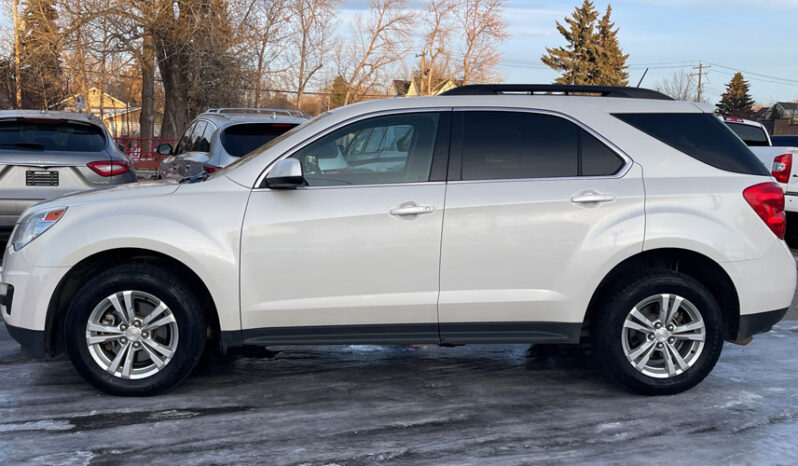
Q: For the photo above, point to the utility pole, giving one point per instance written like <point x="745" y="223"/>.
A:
<point x="701" y="67"/>
<point x="17" y="51"/>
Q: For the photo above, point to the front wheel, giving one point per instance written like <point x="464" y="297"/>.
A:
<point x="661" y="334"/>
<point x="135" y="330"/>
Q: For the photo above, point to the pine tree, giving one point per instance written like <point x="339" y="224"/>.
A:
<point x="42" y="77"/>
<point x="612" y="60"/>
<point x="592" y="54"/>
<point x="338" y="92"/>
<point x="736" y="101"/>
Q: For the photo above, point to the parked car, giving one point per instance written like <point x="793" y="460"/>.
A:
<point x="44" y="155"/>
<point x="489" y="214"/>
<point x="220" y="136"/>
<point x="785" y="140"/>
<point x="779" y="159"/>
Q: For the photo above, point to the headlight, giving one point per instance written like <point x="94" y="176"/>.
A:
<point x="34" y="225"/>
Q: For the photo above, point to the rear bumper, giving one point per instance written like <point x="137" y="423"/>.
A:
<point x="791" y="201"/>
<point x="761" y="322"/>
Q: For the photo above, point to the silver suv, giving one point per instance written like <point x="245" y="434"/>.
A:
<point x="220" y="136"/>
<point x="44" y="155"/>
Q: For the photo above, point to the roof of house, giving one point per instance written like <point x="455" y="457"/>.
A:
<point x="788" y="105"/>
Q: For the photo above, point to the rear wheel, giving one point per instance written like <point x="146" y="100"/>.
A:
<point x="662" y="334"/>
<point x="135" y="330"/>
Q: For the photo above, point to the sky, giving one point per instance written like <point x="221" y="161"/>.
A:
<point x="667" y="36"/>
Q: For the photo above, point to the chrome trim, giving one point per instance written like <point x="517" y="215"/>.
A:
<point x="375" y="185"/>
<point x="301" y="145"/>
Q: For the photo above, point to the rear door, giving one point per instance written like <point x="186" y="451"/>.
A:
<point x="194" y="161"/>
<point x="46" y="158"/>
<point x="535" y="206"/>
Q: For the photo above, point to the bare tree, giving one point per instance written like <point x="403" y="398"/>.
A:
<point x="680" y="86"/>
<point x="268" y="31"/>
<point x="484" y="29"/>
<point x="377" y="41"/>
<point x="313" y="25"/>
<point x="436" y="58"/>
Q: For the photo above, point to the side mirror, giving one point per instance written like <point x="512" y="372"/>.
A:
<point x="164" y="149"/>
<point x="286" y="174"/>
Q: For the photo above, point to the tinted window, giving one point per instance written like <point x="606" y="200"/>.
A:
<point x="504" y="145"/>
<point x="751" y="135"/>
<point x="239" y="140"/>
<point x="389" y="149"/>
<point x="196" y="136"/>
<point x="184" y="143"/>
<point x="784" y="140"/>
<point x="701" y="136"/>
<point x="50" y="136"/>
<point x="203" y="143"/>
<point x="597" y="159"/>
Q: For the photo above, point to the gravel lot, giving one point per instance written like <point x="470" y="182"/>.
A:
<point x="478" y="404"/>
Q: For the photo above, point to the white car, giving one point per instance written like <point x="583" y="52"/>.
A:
<point x="492" y="214"/>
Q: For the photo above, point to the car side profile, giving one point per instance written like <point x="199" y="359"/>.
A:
<point x="489" y="214"/>
<point x="46" y="154"/>
<point x="220" y="136"/>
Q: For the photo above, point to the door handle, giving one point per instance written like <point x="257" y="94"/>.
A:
<point x="412" y="210"/>
<point x="592" y="198"/>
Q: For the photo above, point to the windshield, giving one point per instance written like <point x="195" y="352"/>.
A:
<point x="751" y="135"/>
<point x="244" y="159"/>
<point x="50" y="135"/>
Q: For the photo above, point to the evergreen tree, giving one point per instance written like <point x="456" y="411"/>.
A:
<point x="736" y="101"/>
<point x="611" y="63"/>
<point x="338" y="91"/>
<point x="592" y="55"/>
<point x="41" y="76"/>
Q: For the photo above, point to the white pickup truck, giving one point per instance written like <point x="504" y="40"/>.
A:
<point x="782" y="160"/>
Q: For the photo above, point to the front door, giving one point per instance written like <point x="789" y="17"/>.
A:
<point x="354" y="256"/>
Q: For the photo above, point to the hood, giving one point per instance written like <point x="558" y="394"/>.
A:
<point x="140" y="190"/>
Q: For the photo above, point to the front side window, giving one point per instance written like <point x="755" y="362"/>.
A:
<point x="203" y="144"/>
<point x="196" y="137"/>
<point x="386" y="149"/>
<point x="185" y="140"/>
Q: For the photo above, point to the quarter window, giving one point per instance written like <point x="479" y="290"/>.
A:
<point x="507" y="145"/>
<point x="185" y="141"/>
<point x="387" y="149"/>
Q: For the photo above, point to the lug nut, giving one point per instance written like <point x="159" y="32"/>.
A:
<point x="137" y="323"/>
<point x="145" y="334"/>
<point x="136" y="344"/>
<point x="659" y="345"/>
<point x="123" y="327"/>
<point x="123" y="341"/>
<point x="658" y="325"/>
<point x="671" y="340"/>
<point x="650" y="336"/>
<point x="670" y="328"/>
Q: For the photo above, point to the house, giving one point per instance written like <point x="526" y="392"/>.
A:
<point x="781" y="118"/>
<point x="402" y="88"/>
<point x="121" y="119"/>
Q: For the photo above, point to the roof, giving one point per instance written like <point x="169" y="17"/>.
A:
<point x="788" y="105"/>
<point x="742" y="121"/>
<point x="50" y="114"/>
<point x="227" y="119"/>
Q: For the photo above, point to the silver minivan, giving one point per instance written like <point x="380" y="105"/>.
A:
<point x="44" y="155"/>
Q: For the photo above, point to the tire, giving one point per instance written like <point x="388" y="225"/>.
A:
<point x="656" y="377"/>
<point x="175" y="335"/>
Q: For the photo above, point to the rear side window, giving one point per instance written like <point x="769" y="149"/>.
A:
<point x="239" y="140"/>
<point x="751" y="135"/>
<point x="508" y="145"/>
<point x="701" y="136"/>
<point x="50" y="136"/>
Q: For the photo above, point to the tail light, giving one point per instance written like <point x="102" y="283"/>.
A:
<point x="211" y="168"/>
<point x="109" y="167"/>
<point x="782" y="166"/>
<point x="767" y="200"/>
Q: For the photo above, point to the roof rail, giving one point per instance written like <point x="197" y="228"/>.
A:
<point x="248" y="110"/>
<point x="562" y="89"/>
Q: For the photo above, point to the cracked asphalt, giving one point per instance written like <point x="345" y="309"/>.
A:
<point x="357" y="405"/>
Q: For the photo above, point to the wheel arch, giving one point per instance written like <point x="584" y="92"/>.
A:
<point x="87" y="268"/>
<point x="698" y="266"/>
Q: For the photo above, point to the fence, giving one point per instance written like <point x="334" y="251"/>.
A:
<point x="141" y="151"/>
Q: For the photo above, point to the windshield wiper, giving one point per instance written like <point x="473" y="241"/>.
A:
<point x="201" y="176"/>
<point x="23" y="145"/>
